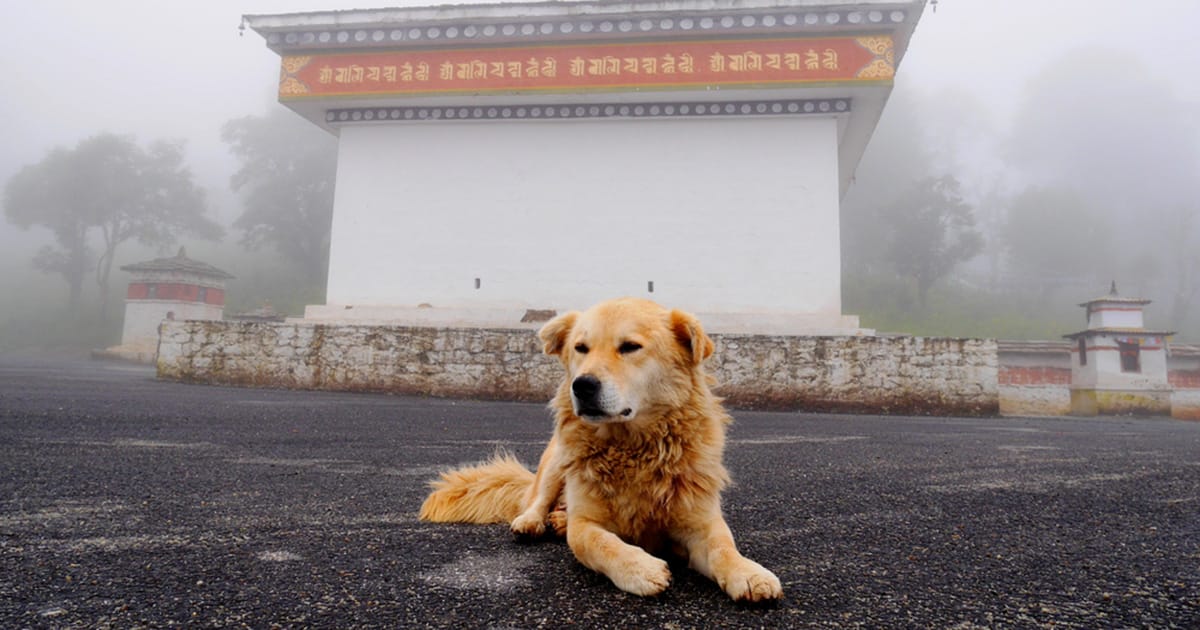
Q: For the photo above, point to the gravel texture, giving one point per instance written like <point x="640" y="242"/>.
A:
<point x="129" y="502"/>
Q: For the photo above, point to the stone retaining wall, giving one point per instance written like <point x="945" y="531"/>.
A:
<point x="908" y="375"/>
<point x="1035" y="379"/>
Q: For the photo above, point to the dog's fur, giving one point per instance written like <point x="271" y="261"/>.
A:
<point x="636" y="454"/>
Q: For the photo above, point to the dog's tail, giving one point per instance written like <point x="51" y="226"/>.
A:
<point x="494" y="491"/>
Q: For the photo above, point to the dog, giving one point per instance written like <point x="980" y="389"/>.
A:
<point x="635" y="458"/>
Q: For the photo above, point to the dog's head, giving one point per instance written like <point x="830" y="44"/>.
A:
<point x="627" y="356"/>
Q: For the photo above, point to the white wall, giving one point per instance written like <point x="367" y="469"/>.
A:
<point x="1103" y="370"/>
<point x="1116" y="317"/>
<point x="142" y="317"/>
<point x="731" y="215"/>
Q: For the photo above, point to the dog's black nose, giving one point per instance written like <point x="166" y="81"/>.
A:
<point x="586" y="387"/>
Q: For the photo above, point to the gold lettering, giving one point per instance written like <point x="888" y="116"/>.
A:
<point x="604" y="66"/>
<point x="668" y="63"/>
<point x="812" y="61"/>
<point x="716" y="62"/>
<point x="577" y="67"/>
<point x="650" y="65"/>
<point x="373" y="73"/>
<point x="422" y="73"/>
<point x="792" y="61"/>
<point x="471" y="70"/>
<point x="629" y="65"/>
<point x="446" y="71"/>
<point x="406" y="71"/>
<point x="830" y="60"/>
<point x="532" y="69"/>
<point x="352" y="74"/>
<point x="687" y="64"/>
<point x="514" y="69"/>
<point x="497" y="68"/>
<point x="389" y="74"/>
<point x="549" y="67"/>
<point x="325" y="75"/>
<point x="773" y="61"/>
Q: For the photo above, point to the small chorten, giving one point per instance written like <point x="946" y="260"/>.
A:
<point x="176" y="287"/>
<point x="1117" y="365"/>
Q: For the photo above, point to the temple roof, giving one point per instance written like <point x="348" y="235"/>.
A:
<point x="489" y="23"/>
<point x="179" y="263"/>
<point x="1114" y="297"/>
<point x="308" y="42"/>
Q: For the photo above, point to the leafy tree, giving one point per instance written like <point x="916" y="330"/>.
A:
<point x="933" y="230"/>
<point x="287" y="178"/>
<point x="1053" y="234"/>
<point x="111" y="184"/>
<point x="35" y="196"/>
<point x="1183" y="249"/>
<point x="896" y="158"/>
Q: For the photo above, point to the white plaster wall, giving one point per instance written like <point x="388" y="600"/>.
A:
<point x="1104" y="369"/>
<point x="1116" y="319"/>
<point x="736" y="215"/>
<point x="142" y="317"/>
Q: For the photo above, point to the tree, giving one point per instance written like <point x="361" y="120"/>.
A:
<point x="35" y="196"/>
<point x="896" y="158"/>
<point x="1053" y="234"/>
<point x="1131" y="165"/>
<point x="1183" y="248"/>
<point x="933" y="230"/>
<point x="286" y="178"/>
<point x="147" y="195"/>
<point x="111" y="184"/>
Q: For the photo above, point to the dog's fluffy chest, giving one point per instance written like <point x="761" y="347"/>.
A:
<point x="642" y="480"/>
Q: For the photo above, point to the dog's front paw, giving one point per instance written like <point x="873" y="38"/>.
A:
<point x="558" y="522"/>
<point x="753" y="583"/>
<point x="646" y="575"/>
<point x="528" y="525"/>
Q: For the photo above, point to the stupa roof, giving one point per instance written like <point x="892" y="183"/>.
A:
<point x="179" y="263"/>
<point x="1114" y="298"/>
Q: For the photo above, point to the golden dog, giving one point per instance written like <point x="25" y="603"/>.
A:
<point x="636" y="454"/>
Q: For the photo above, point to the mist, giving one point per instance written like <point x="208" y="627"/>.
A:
<point x="1082" y="110"/>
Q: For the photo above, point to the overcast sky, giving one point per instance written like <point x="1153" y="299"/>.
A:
<point x="179" y="69"/>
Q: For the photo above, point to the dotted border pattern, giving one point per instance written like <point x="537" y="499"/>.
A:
<point x="585" y="27"/>
<point x="791" y="107"/>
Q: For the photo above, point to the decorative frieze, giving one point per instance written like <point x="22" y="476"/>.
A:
<point x="586" y="27"/>
<point x="357" y="115"/>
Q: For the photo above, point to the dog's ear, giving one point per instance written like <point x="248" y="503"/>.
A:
<point x="554" y="333"/>
<point x="688" y="332"/>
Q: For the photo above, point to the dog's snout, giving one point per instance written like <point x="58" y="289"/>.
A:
<point x="586" y="387"/>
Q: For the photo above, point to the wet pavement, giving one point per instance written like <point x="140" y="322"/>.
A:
<point x="126" y="501"/>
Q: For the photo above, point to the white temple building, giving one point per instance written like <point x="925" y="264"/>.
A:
<point x="1118" y="366"/>
<point x="500" y="158"/>
<point x="175" y="287"/>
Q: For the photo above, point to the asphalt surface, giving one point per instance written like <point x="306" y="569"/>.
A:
<point x="127" y="502"/>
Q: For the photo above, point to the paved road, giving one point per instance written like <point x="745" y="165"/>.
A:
<point x="125" y="501"/>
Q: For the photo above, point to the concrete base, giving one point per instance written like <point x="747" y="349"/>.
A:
<point x="1112" y="402"/>
<point x="731" y="323"/>
<point x="136" y="352"/>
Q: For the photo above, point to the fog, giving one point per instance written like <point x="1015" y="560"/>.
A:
<point x="976" y="94"/>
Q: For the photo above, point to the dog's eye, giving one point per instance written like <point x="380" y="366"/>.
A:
<point x="581" y="348"/>
<point x="629" y="346"/>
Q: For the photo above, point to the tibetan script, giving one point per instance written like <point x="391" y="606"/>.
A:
<point x="611" y="66"/>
